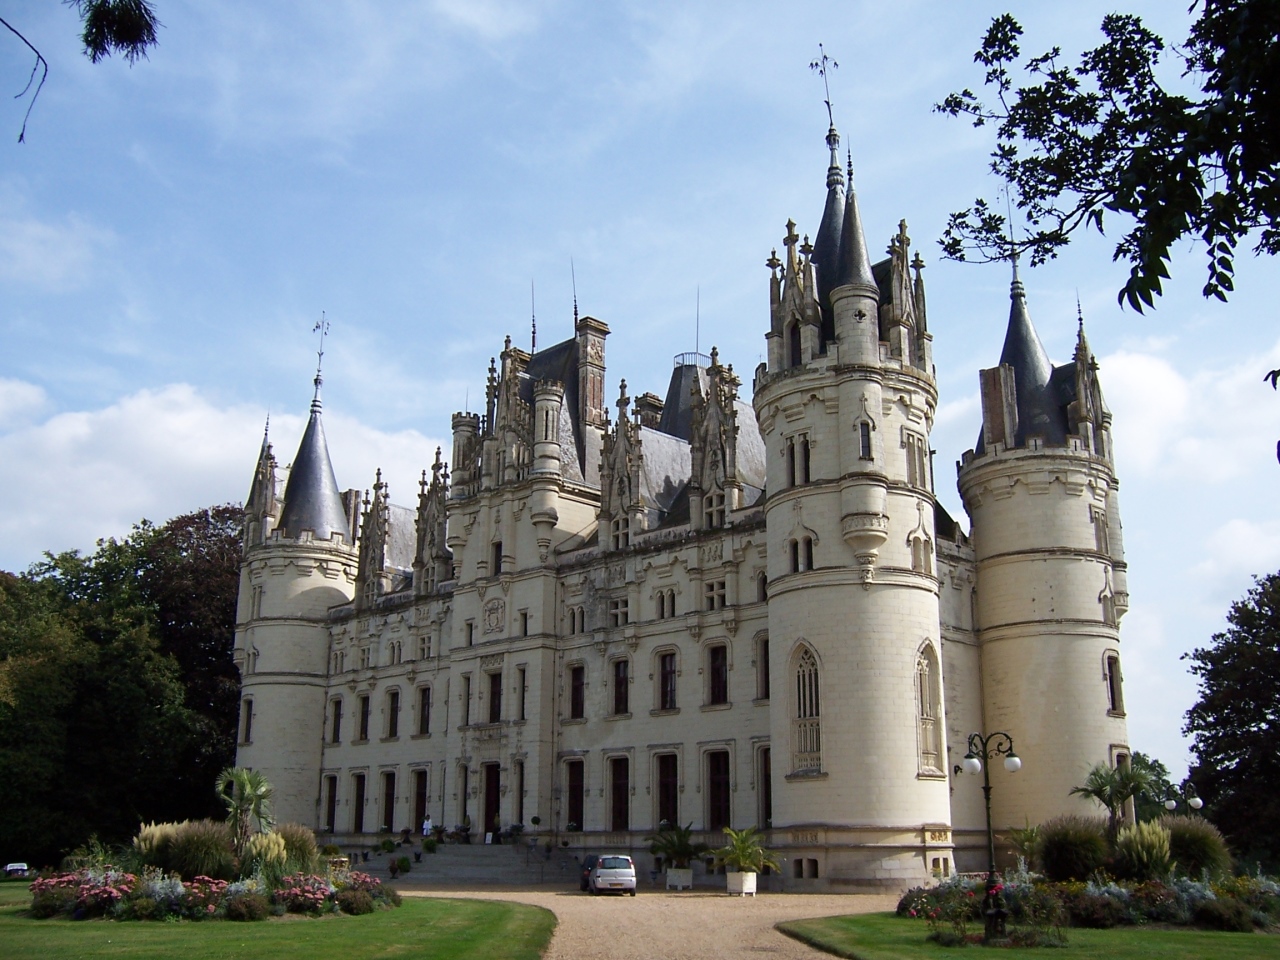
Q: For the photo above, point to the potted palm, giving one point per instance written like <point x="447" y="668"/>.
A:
<point x="744" y="856"/>
<point x="676" y="848"/>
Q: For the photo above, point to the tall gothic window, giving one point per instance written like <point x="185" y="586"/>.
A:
<point x="927" y="709"/>
<point x="807" y="734"/>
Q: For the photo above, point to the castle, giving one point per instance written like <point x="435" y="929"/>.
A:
<point x="609" y="622"/>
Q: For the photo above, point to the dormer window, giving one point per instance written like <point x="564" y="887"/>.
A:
<point x="713" y="510"/>
<point x="620" y="533"/>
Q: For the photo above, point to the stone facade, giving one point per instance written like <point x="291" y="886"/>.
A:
<point x="703" y="611"/>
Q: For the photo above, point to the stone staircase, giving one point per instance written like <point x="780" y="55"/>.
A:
<point x="462" y="865"/>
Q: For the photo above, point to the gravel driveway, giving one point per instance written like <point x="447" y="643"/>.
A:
<point x="674" y="926"/>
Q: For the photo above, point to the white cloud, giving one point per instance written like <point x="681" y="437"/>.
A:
<point x="20" y="400"/>
<point x="84" y="475"/>
<point x="50" y="256"/>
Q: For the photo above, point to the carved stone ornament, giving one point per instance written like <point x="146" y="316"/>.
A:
<point x="495" y="615"/>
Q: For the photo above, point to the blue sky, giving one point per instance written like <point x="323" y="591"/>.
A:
<point x="170" y="233"/>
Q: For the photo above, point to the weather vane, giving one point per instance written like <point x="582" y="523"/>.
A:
<point x="322" y="327"/>
<point x="823" y="65"/>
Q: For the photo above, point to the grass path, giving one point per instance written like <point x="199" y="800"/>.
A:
<point x="437" y="929"/>
<point x="887" y="937"/>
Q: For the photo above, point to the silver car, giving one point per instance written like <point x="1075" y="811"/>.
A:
<point x="613" y="873"/>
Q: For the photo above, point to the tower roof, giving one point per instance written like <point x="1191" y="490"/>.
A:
<point x="312" y="500"/>
<point x="826" y="245"/>
<point x="854" y="262"/>
<point x="1040" y="408"/>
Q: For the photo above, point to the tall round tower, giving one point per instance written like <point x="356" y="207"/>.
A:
<point x="298" y="563"/>
<point x="1041" y="491"/>
<point x="860" y="788"/>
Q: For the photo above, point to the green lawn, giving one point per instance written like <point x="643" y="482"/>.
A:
<point x="884" y="936"/>
<point x="421" y="928"/>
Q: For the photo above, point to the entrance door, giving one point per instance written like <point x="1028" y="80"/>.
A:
<point x="492" y="796"/>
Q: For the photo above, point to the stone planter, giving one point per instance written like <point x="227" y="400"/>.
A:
<point x="741" y="884"/>
<point x="680" y="877"/>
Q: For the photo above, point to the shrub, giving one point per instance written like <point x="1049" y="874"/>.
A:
<point x="301" y="853"/>
<point x="248" y="907"/>
<point x="266" y="854"/>
<point x="403" y="864"/>
<point x="301" y="893"/>
<point x="1225" y="914"/>
<point x="354" y="902"/>
<point x="145" y="908"/>
<point x="202" y="897"/>
<point x="153" y="843"/>
<point x="202" y="848"/>
<point x="1094" y="910"/>
<point x="387" y="845"/>
<point x="331" y="850"/>
<point x="1197" y="847"/>
<point x="52" y="901"/>
<point x="1158" y="902"/>
<point x="429" y="844"/>
<point x="1072" y="848"/>
<point x="1142" y="852"/>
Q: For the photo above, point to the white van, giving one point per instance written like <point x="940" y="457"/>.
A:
<point x="614" y="873"/>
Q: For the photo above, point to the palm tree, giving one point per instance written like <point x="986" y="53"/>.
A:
<point x="1113" y="787"/>
<point x="744" y="852"/>
<point x="675" y="845"/>
<point x="247" y="794"/>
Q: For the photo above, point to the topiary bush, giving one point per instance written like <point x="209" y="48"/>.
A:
<point x="202" y="848"/>
<point x="1142" y="853"/>
<point x="1223" y="914"/>
<point x="354" y="902"/>
<point x="301" y="853"/>
<point x="1072" y="848"/>
<point x="1197" y="847"/>
<point x="248" y="907"/>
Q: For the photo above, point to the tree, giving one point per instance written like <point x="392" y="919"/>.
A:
<point x="1149" y="804"/>
<point x="1106" y="136"/>
<point x="1113" y="787"/>
<point x="1236" y="724"/>
<point x="247" y="795"/>
<point x="126" y="27"/>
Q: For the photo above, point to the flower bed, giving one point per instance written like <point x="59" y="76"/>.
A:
<point x="155" y="895"/>
<point x="1039" y="910"/>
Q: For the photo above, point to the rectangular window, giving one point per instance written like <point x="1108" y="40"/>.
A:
<point x="713" y="510"/>
<point x="523" y="691"/>
<point x="357" y="810"/>
<point x="620" y="533"/>
<point x="466" y="700"/>
<point x="791" y="461"/>
<point x="717" y="789"/>
<point x="668" y="789"/>
<point x="246" y="708"/>
<point x="420" y="784"/>
<point x="618" y="612"/>
<point x="577" y="692"/>
<point x="715" y="594"/>
<point x="864" y="440"/>
<point x="576" y="785"/>
<point x="495" y="697"/>
<point x="621" y="684"/>
<point x="620" y="793"/>
<point x="804" y="458"/>
<point x="519" y="791"/>
<point x="762" y="669"/>
<point x="471" y="632"/>
<point x="330" y="803"/>
<point x="496" y="567"/>
<point x="393" y="714"/>
<point x="917" y="461"/>
<point x="1115" y="692"/>
<point x="424" y="711"/>
<point x="388" y="801"/>
<point x="364" y="718"/>
<point x="766" y="788"/>
<point x="667" y="681"/>
<point x="718" y="663"/>
<point x="524" y="623"/>
<point x="335" y="727"/>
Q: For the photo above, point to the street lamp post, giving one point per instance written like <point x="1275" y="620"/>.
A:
<point x="1187" y="793"/>
<point x="977" y="760"/>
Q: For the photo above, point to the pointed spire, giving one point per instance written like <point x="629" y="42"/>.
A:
<point x="826" y="245"/>
<point x="854" y="261"/>
<point x="1024" y="352"/>
<point x="312" y="500"/>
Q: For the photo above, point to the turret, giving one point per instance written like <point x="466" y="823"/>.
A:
<point x="855" y="300"/>
<point x="1041" y="491"/>
<point x="289" y="581"/>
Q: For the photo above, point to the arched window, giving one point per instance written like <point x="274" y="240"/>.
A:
<point x="662" y="604"/>
<point x="762" y="587"/>
<point x="927" y="710"/>
<point x="807" y="732"/>
<point x="922" y="555"/>
<point x="793" y="345"/>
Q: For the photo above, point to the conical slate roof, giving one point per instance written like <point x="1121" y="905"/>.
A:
<point x="826" y="246"/>
<point x="855" y="263"/>
<point x="312" y="500"/>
